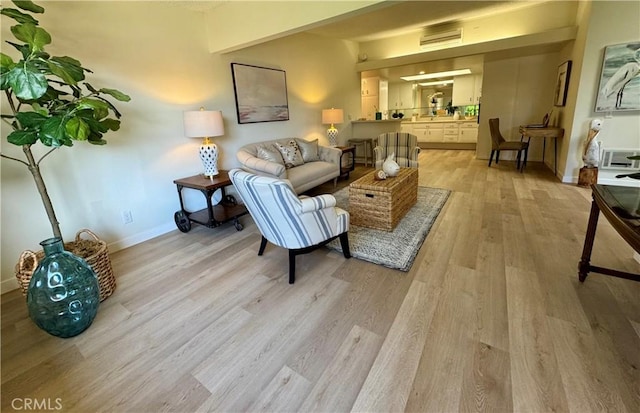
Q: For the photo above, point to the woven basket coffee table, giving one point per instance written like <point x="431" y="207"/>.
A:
<point x="382" y="204"/>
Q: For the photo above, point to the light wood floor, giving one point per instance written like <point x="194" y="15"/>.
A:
<point x="490" y="318"/>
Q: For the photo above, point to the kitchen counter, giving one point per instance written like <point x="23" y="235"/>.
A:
<point x="377" y="121"/>
<point x="438" y="120"/>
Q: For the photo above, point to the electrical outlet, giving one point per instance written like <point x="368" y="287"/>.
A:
<point x="127" y="218"/>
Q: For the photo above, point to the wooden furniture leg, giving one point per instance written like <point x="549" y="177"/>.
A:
<point x="584" y="266"/>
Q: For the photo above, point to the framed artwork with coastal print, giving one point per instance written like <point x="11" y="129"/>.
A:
<point x="261" y="93"/>
<point x="619" y="87"/>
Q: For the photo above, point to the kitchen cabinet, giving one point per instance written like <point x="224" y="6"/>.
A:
<point x="429" y="132"/>
<point x="443" y="132"/>
<point x="450" y="133"/>
<point x="467" y="90"/>
<point x="468" y="132"/>
<point x="401" y="96"/>
<point x="374" y="92"/>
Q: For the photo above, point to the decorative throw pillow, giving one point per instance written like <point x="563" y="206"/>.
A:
<point x="309" y="149"/>
<point x="270" y="153"/>
<point x="290" y="153"/>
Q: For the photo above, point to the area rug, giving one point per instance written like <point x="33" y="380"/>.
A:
<point x="396" y="249"/>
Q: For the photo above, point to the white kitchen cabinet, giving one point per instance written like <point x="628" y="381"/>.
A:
<point x="406" y="127"/>
<point x="467" y="90"/>
<point x="369" y="86"/>
<point x="429" y="132"/>
<point x="374" y="92"/>
<point x="401" y="96"/>
<point x="450" y="134"/>
<point x="468" y="132"/>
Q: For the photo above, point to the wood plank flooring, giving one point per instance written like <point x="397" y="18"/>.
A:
<point x="491" y="317"/>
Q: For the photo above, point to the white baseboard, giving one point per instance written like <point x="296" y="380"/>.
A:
<point x="12" y="284"/>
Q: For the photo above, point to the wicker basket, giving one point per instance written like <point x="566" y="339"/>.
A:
<point x="382" y="204"/>
<point x="93" y="251"/>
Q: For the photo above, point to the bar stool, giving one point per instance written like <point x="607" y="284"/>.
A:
<point x="367" y="146"/>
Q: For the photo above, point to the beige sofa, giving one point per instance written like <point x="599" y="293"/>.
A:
<point x="319" y="164"/>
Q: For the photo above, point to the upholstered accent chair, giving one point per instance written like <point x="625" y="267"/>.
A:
<point x="299" y="224"/>
<point x="499" y="143"/>
<point x="404" y="145"/>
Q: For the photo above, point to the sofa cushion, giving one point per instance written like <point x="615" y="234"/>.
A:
<point x="309" y="149"/>
<point x="290" y="153"/>
<point x="270" y="153"/>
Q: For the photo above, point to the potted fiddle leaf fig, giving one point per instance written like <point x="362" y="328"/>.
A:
<point x="51" y="104"/>
<point x="49" y="101"/>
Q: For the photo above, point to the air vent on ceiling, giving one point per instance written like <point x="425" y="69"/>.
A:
<point x="442" y="38"/>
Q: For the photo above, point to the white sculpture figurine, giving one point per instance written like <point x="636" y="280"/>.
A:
<point x="391" y="167"/>
<point x="591" y="156"/>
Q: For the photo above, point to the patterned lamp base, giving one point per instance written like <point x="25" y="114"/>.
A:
<point x="209" y="156"/>
<point x="332" y="134"/>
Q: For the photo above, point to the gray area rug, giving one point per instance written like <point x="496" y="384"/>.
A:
<point x="396" y="249"/>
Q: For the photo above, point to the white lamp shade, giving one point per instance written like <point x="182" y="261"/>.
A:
<point x="203" y="123"/>
<point x="331" y="116"/>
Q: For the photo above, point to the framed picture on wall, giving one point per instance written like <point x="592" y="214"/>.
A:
<point x="562" y="83"/>
<point x="619" y="87"/>
<point x="261" y="93"/>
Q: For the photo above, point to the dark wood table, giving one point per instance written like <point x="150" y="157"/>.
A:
<point x="621" y="206"/>
<point x="213" y="215"/>
<point x="349" y="164"/>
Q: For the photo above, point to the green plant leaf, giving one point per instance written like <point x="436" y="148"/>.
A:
<point x="66" y="69"/>
<point x="30" y="120"/>
<point x="6" y="62"/>
<point x="28" y="5"/>
<point x="21" y="137"/>
<point x="35" y="36"/>
<point x="53" y="132"/>
<point x="100" y="109"/>
<point x="77" y="129"/>
<point x="27" y="83"/>
<point x="112" y="124"/>
<point x="18" y="16"/>
<point x="116" y="94"/>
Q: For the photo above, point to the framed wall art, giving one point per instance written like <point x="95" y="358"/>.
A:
<point x="619" y="87"/>
<point x="261" y="93"/>
<point x="562" y="83"/>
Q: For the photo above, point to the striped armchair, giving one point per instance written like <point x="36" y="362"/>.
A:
<point x="404" y="145"/>
<point x="299" y="224"/>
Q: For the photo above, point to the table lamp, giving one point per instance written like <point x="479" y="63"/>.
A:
<point x="205" y="124"/>
<point x="332" y="116"/>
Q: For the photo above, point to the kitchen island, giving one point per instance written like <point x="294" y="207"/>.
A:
<point x="443" y="132"/>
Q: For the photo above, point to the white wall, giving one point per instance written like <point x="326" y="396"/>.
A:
<point x="156" y="52"/>
<point x="518" y="91"/>
<point x="609" y="23"/>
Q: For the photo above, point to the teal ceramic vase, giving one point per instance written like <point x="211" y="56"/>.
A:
<point x="63" y="294"/>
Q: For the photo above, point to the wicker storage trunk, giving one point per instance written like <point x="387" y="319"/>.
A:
<point x="382" y="204"/>
<point x="94" y="251"/>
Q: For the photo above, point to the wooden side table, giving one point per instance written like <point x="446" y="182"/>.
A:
<point x="213" y="215"/>
<point x="349" y="164"/>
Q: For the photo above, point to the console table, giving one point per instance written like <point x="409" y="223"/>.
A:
<point x="547" y="132"/>
<point x="621" y="206"/>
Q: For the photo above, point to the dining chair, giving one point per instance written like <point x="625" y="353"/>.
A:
<point x="299" y="224"/>
<point x="499" y="143"/>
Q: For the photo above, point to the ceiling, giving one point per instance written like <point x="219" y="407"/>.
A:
<point x="400" y="17"/>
